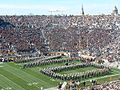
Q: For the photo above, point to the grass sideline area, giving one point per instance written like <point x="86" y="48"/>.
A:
<point x="13" y="77"/>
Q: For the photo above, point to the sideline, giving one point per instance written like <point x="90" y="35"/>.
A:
<point x="53" y="88"/>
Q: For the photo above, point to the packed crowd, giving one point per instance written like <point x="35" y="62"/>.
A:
<point x="115" y="85"/>
<point x="75" y="85"/>
<point x="6" y="48"/>
<point x="70" y="33"/>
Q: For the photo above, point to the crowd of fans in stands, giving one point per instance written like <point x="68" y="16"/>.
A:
<point x="75" y="85"/>
<point x="108" y="86"/>
<point x="70" y="33"/>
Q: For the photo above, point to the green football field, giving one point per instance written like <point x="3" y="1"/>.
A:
<point x="13" y="77"/>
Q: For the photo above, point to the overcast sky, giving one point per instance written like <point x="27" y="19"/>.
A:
<point x="39" y="7"/>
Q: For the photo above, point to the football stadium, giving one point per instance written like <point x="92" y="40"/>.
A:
<point x="57" y="50"/>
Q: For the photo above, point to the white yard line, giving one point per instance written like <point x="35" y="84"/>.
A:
<point x="1" y="62"/>
<point x="53" y="88"/>
<point x="9" y="85"/>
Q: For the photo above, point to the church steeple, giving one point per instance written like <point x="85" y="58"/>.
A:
<point x="115" y="11"/>
<point x="82" y="10"/>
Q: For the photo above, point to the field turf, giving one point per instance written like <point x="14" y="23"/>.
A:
<point x="13" y="77"/>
